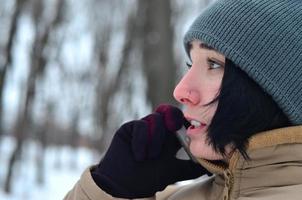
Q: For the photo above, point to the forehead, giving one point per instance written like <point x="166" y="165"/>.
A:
<point x="198" y="45"/>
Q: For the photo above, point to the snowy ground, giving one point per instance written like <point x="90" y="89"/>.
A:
<point x="63" y="167"/>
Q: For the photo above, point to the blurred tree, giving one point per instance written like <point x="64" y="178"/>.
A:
<point x="148" y="33"/>
<point x="8" y="50"/>
<point x="42" y="133"/>
<point x="74" y="138"/>
<point x="158" y="59"/>
<point x="37" y="68"/>
<point x="107" y="87"/>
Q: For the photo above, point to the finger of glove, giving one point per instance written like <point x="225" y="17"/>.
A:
<point x="135" y="134"/>
<point x="174" y="120"/>
<point x="171" y="145"/>
<point x="146" y="136"/>
<point x="173" y="116"/>
<point x="149" y="138"/>
<point x="157" y="134"/>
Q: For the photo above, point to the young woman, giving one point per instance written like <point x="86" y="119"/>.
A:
<point x="242" y="96"/>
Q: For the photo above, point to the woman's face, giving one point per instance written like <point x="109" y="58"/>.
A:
<point x="199" y="86"/>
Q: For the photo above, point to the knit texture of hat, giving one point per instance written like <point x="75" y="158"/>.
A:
<point x="263" y="38"/>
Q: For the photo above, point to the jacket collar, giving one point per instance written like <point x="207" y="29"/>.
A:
<point x="288" y="135"/>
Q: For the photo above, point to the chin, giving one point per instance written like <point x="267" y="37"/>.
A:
<point x="207" y="152"/>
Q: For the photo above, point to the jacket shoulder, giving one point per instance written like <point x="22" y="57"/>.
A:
<point x="201" y="189"/>
<point x="86" y="189"/>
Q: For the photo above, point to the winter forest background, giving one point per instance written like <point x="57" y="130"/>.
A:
<point x="71" y="72"/>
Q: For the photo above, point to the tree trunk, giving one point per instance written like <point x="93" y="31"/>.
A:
<point x="9" y="54"/>
<point x="158" y="59"/>
<point x="106" y="90"/>
<point x="74" y="139"/>
<point x="16" y="153"/>
<point x="12" y="160"/>
<point x="40" y="162"/>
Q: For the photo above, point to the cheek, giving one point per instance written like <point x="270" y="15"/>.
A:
<point x="209" y="114"/>
<point x="209" y="90"/>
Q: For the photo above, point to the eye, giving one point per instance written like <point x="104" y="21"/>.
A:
<point x="214" y="64"/>
<point x="189" y="65"/>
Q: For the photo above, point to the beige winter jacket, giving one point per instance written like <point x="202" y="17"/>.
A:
<point x="274" y="173"/>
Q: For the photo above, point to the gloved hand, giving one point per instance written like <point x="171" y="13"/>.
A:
<point x="141" y="158"/>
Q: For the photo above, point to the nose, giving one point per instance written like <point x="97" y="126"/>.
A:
<point x="185" y="92"/>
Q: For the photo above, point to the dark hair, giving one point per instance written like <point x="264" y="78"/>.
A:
<point x="243" y="110"/>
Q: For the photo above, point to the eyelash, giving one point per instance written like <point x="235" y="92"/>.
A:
<point x="210" y="63"/>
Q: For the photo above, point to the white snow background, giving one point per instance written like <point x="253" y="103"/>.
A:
<point x="58" y="179"/>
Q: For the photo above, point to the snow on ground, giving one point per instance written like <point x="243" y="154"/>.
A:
<point x="63" y="167"/>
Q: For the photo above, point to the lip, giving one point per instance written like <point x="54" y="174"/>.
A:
<point x="195" y="131"/>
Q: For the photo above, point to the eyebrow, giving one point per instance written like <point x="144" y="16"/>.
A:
<point x="202" y="46"/>
<point x="207" y="47"/>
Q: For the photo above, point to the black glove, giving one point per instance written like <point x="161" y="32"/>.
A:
<point x="141" y="158"/>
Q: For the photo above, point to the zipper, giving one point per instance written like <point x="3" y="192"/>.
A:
<point x="227" y="172"/>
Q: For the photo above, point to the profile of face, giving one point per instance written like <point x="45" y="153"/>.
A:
<point x="198" y="87"/>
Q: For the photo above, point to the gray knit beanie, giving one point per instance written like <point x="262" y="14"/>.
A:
<point x="262" y="37"/>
